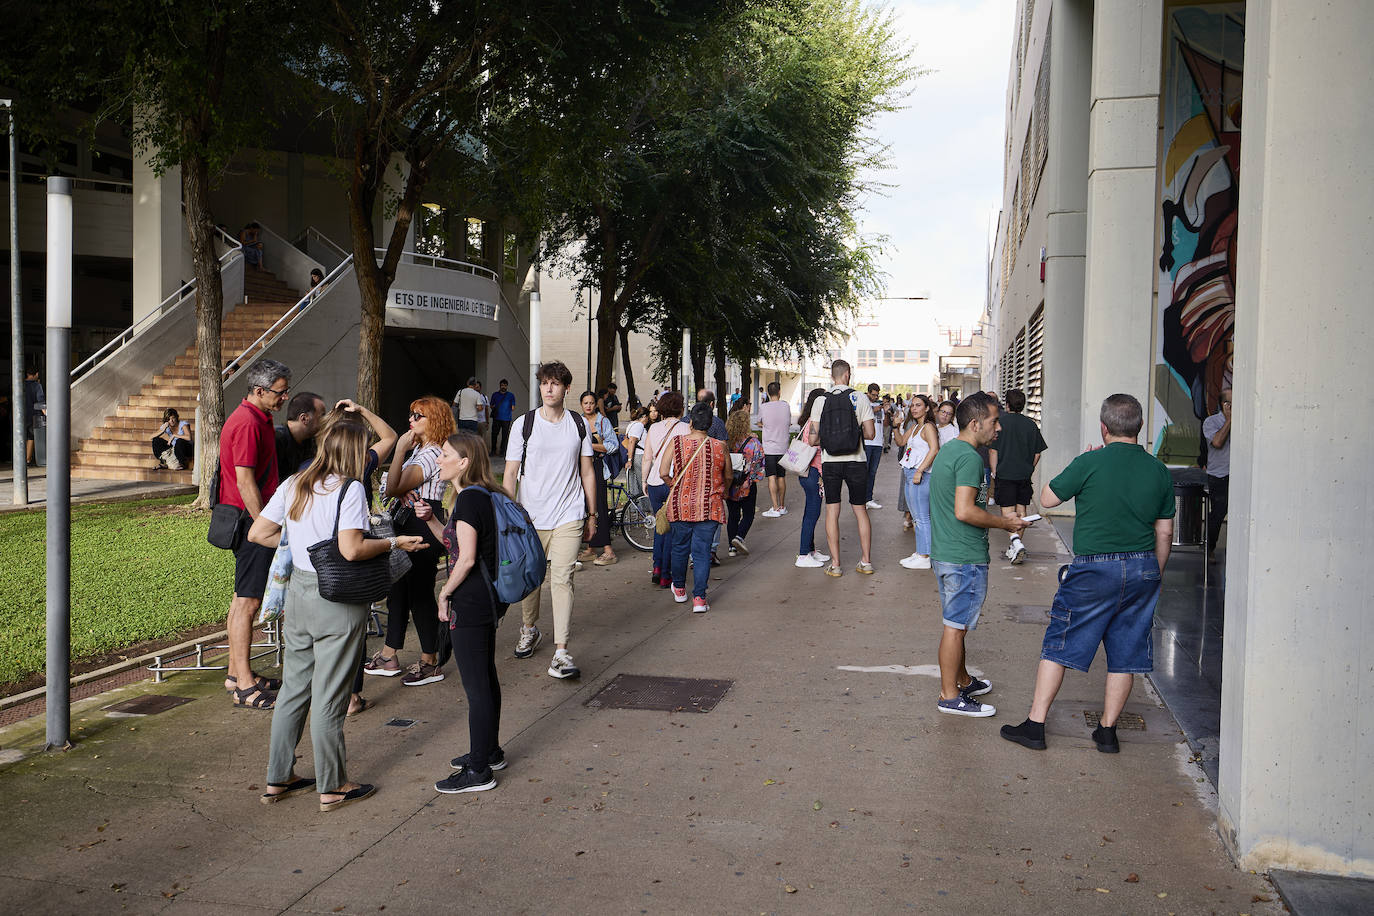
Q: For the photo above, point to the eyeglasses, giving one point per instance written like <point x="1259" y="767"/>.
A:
<point x="416" y="415"/>
<point x="279" y="392"/>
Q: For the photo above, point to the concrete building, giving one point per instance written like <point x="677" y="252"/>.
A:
<point x="1160" y="239"/>
<point x="459" y="305"/>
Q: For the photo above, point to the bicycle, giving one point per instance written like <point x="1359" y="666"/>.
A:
<point x="632" y="515"/>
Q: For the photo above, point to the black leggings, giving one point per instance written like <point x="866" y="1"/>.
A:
<point x="182" y="448"/>
<point x="474" y="651"/>
<point x="1219" y="497"/>
<point x="740" y="517"/>
<point x="413" y="594"/>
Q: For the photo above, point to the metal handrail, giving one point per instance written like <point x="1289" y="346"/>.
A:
<point x="446" y="263"/>
<point x="183" y="293"/>
<point x="298" y="309"/>
<point x="313" y="233"/>
<point x="122" y="187"/>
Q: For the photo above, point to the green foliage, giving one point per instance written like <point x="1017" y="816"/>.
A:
<point x="140" y="570"/>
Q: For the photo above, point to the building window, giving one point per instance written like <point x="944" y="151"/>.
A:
<point x="833" y="355"/>
<point x="476" y="230"/>
<point x="906" y="356"/>
<point x="867" y="359"/>
<point x="923" y="389"/>
<point x="922" y="356"/>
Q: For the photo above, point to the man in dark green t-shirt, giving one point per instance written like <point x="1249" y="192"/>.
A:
<point x="959" y="522"/>
<point x="1121" y="539"/>
<point x="1014" y="456"/>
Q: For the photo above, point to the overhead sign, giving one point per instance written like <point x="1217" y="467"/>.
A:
<point x="438" y="302"/>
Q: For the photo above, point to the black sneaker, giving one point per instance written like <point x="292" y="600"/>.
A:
<point x="1027" y="734"/>
<point x="976" y="687"/>
<point x="466" y="781"/>
<point x="1104" y="736"/>
<point x="497" y="761"/>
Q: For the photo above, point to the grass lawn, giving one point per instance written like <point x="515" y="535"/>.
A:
<point x="140" y="570"/>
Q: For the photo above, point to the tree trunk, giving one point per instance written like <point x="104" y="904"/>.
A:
<point x="698" y="367"/>
<point x="608" y="312"/>
<point x="722" y="396"/>
<point x="624" y="334"/>
<point x="200" y="225"/>
<point x="746" y="381"/>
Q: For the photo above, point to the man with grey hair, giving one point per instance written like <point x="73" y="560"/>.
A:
<point x="467" y="406"/>
<point x="1121" y="539"/>
<point x="247" y="479"/>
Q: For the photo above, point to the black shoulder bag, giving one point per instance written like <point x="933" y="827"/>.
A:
<point x="229" y="524"/>
<point x="348" y="581"/>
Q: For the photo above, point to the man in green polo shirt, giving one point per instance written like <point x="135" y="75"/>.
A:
<point x="1121" y="539"/>
<point x="959" y="549"/>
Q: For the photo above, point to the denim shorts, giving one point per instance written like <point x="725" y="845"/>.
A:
<point x="962" y="590"/>
<point x="1106" y="598"/>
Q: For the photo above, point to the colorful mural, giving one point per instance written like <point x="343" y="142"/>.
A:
<point x="1200" y="170"/>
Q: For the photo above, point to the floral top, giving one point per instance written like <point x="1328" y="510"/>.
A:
<point x="752" y="450"/>
<point x="697" y="496"/>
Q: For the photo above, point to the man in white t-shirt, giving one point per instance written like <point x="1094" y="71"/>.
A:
<point x="873" y="445"/>
<point x="549" y="460"/>
<point x="467" y="405"/>
<point x="848" y="467"/>
<point x="775" y="417"/>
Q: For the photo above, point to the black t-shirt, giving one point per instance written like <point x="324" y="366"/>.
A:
<point x="472" y="602"/>
<point x="612" y="410"/>
<point x="292" y="455"/>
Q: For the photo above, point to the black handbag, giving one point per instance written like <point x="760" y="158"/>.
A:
<point x="348" y="581"/>
<point x="228" y="524"/>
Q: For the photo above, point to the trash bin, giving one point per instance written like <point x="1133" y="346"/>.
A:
<point x="1188" y="502"/>
<point x="40" y="441"/>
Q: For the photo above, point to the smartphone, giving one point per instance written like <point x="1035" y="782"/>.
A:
<point x="1030" y="518"/>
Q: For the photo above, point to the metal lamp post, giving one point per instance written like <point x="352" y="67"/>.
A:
<point x="21" y="467"/>
<point x="59" y="336"/>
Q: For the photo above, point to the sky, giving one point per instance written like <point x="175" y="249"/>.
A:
<point x="945" y="155"/>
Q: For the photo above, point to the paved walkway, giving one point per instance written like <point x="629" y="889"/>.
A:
<point x="824" y="782"/>
<point x="83" y="490"/>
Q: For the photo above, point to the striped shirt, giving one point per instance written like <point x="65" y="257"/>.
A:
<point x="426" y="458"/>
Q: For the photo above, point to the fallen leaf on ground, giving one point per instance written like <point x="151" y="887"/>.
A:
<point x="789" y="888"/>
<point x="1132" y="878"/>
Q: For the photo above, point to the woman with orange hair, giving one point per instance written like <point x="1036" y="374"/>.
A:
<point x="414" y="477"/>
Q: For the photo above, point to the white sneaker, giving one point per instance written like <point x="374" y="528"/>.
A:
<point x="562" y="665"/>
<point x="782" y="511"/>
<point x="738" y="544"/>
<point x="770" y="513"/>
<point x="915" y="561"/>
<point x="872" y="504"/>
<point x="809" y="561"/>
<point x="821" y="557"/>
<point x="1016" y="553"/>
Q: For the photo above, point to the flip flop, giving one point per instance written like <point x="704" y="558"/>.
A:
<point x="294" y="787"/>
<point x="364" y="704"/>
<point x="352" y="795"/>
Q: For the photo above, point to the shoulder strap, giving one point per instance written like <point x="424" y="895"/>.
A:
<point x="581" y="426"/>
<point x="338" y="507"/>
<point x="683" y="473"/>
<point x="527" y="427"/>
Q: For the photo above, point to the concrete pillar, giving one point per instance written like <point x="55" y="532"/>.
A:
<point x="159" y="234"/>
<point x="1066" y="182"/>
<point x="1296" y="783"/>
<point x="396" y="173"/>
<point x="1118" y="312"/>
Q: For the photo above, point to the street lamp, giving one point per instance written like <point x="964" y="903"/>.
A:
<point x="21" y="468"/>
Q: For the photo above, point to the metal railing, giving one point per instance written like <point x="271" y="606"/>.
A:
<point x="184" y="293"/>
<point x="431" y="260"/>
<point x="300" y="308"/>
<point x="310" y="232"/>
<point x="109" y="185"/>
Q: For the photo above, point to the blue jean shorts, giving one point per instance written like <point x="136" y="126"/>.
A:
<point x="1107" y="599"/>
<point x="963" y="586"/>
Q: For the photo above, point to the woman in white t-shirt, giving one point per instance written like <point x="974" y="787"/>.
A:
<point x="414" y="476"/>
<point x="323" y="638"/>
<point x="656" y="439"/>
<point x="604" y="442"/>
<point x="634" y="435"/>
<point x="919" y="443"/>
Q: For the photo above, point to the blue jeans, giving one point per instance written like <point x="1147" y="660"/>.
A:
<point x="962" y="590"/>
<point x="811" y="486"/>
<point x="1106" y="598"/>
<point x="693" y="538"/>
<point x="874" y="454"/>
<point x="918" y="504"/>
<point x="663" y="543"/>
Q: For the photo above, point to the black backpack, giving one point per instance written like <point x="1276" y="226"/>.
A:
<point x="527" y="427"/>
<point x="840" y="433"/>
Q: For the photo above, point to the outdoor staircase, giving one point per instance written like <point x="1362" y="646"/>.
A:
<point x="118" y="449"/>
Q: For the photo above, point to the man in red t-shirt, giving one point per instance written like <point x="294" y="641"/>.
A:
<point x="247" y="480"/>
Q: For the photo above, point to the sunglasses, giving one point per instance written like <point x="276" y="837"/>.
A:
<point x="416" y="415"/>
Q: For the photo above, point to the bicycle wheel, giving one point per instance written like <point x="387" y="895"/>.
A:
<point x="637" y="523"/>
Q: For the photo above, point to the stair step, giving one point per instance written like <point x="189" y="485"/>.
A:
<point x="182" y="477"/>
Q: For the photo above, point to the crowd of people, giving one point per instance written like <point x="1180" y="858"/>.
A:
<point x="311" y="486"/>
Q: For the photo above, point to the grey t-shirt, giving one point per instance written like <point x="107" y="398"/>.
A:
<point x="1218" y="459"/>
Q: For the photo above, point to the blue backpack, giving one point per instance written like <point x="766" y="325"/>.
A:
<point x="520" y="561"/>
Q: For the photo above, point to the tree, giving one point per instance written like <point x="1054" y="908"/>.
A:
<point x="175" y="74"/>
<point x="462" y="82"/>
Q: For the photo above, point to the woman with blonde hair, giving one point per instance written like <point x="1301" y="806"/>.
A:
<point x="322" y="638"/>
<point x="414" y="478"/>
<point x="469" y="607"/>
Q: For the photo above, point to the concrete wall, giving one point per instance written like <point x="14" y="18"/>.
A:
<point x="1297" y="738"/>
<point x="1118" y="310"/>
<point x="564" y="328"/>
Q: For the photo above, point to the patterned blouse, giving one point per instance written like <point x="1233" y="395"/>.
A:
<point x="697" y="496"/>
<point x="752" y="450"/>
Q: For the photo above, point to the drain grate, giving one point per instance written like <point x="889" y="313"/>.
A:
<point x="665" y="694"/>
<point x="148" y="705"/>
<point x="399" y="723"/>
<point x="1029" y="613"/>
<point x="1127" y="720"/>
